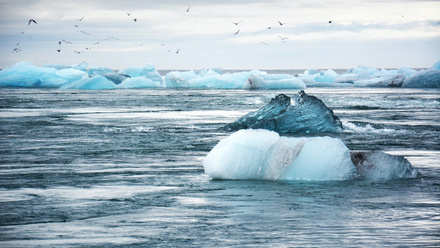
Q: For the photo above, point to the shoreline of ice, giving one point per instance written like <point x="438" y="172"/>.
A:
<point x="25" y="74"/>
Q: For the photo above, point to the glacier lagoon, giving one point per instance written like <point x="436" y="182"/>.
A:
<point x="124" y="167"/>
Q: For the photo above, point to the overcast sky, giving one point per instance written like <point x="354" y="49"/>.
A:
<point x="379" y="33"/>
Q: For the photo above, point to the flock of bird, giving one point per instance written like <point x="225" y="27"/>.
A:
<point x="129" y="14"/>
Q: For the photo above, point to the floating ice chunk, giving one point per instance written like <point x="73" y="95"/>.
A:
<point x="262" y="154"/>
<point x="94" y="83"/>
<point x="82" y="66"/>
<point x="148" y="71"/>
<point x="273" y="81"/>
<point x="116" y="78"/>
<point x="429" y="78"/>
<point x="379" y="166"/>
<point x="393" y="81"/>
<point x="25" y="74"/>
<point x="139" y="82"/>
<point x="308" y="115"/>
<point x="327" y="76"/>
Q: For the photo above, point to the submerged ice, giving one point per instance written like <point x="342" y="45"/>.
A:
<point x="260" y="154"/>
<point x="24" y="74"/>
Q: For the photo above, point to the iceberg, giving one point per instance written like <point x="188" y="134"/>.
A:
<point x="308" y="115"/>
<point x="264" y="155"/>
<point x="379" y="166"/>
<point x="148" y="71"/>
<point x="25" y="74"/>
<point x="93" y="83"/>
<point x="273" y="81"/>
<point x="138" y="82"/>
<point x="429" y="78"/>
<point x="258" y="154"/>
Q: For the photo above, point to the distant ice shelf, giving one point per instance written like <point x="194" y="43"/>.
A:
<point x="25" y="74"/>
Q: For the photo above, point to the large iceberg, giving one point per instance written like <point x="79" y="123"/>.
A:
<point x="25" y="74"/>
<point x="93" y="83"/>
<point x="259" y="154"/>
<point x="308" y="115"/>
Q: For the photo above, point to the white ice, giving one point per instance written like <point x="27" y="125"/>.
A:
<point x="262" y="154"/>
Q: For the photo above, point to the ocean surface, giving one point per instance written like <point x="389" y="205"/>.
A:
<point x="123" y="168"/>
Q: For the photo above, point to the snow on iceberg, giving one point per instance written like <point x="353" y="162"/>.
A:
<point x="259" y="154"/>
<point x="262" y="154"/>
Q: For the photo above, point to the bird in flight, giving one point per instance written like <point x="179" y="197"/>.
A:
<point x="282" y="38"/>
<point x="31" y="21"/>
<point x="236" y="23"/>
<point x="80" y="19"/>
<point x="237" y="32"/>
<point x="84" y="32"/>
<point x="269" y="27"/>
<point x="59" y="50"/>
<point x="16" y="50"/>
<point x="263" y="43"/>
<point x="187" y="10"/>
<point x="177" y="51"/>
<point x="281" y="23"/>
<point x="330" y="21"/>
<point x="135" y="20"/>
<point x="128" y="13"/>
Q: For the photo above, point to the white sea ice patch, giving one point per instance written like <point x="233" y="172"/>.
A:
<point x="263" y="154"/>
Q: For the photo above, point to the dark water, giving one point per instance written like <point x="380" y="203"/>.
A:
<point x="123" y="168"/>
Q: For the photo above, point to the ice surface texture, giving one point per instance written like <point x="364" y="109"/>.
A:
<point x="308" y="115"/>
<point x="259" y="154"/>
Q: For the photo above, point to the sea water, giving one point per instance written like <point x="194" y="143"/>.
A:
<point x="123" y="168"/>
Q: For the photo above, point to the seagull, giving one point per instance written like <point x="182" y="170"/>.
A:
<point x="77" y="52"/>
<point x="80" y="19"/>
<point x="65" y="41"/>
<point x="236" y="23"/>
<point x="96" y="43"/>
<point x="84" y="32"/>
<point x="187" y="10"/>
<point x="330" y="21"/>
<point x="76" y="26"/>
<point x="31" y="21"/>
<point x="112" y="38"/>
<point x="16" y="50"/>
<point x="135" y="20"/>
<point x="128" y="13"/>
<point x="59" y="50"/>
<point x="281" y="23"/>
<point x="269" y="27"/>
<point x="237" y="32"/>
<point x="264" y="43"/>
<point x="177" y="51"/>
<point x="140" y="44"/>
<point x="283" y="38"/>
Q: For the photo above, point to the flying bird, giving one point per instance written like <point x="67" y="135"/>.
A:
<point x="135" y="20"/>
<point x="282" y="38"/>
<point x="16" y="50"/>
<point x="59" y="50"/>
<point x="177" y="51"/>
<point x="111" y="38"/>
<point x="77" y="52"/>
<point x="263" y="43"/>
<point x="187" y="10"/>
<point x="281" y="23"/>
<point x="76" y="26"/>
<point x="269" y="27"/>
<point x="330" y="21"/>
<point x="31" y="21"/>
<point x="236" y="23"/>
<point x="237" y="32"/>
<point x="128" y="13"/>
<point x="80" y="19"/>
<point x="84" y="32"/>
